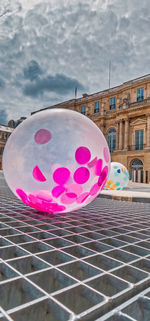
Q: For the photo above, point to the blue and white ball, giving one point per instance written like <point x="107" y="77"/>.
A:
<point x="118" y="177"/>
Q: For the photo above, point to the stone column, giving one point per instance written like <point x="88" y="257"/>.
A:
<point x="117" y="135"/>
<point x="120" y="136"/>
<point x="126" y="134"/>
<point x="148" y="132"/>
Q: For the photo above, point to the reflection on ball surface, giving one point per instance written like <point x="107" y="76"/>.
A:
<point x="56" y="161"/>
<point x="118" y="177"/>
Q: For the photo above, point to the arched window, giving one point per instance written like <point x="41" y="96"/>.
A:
<point x="136" y="165"/>
<point x="112" y="139"/>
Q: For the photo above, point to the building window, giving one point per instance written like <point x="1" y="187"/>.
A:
<point x="139" y="138"/>
<point x="96" y="107"/>
<point x="112" y="139"/>
<point x="83" y="109"/>
<point x="140" y="94"/>
<point x="112" y="103"/>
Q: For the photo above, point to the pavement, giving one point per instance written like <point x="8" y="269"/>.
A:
<point x="134" y="192"/>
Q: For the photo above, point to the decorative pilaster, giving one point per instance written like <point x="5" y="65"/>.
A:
<point x="126" y="134"/>
<point x="148" y="132"/>
<point x="120" y="135"/>
<point x="117" y="135"/>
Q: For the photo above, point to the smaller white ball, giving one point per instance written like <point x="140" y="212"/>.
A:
<point x="118" y="177"/>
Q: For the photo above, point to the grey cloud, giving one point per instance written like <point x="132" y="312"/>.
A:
<point x="60" y="84"/>
<point x="32" y="71"/>
<point x="2" y="84"/>
<point x="3" y="117"/>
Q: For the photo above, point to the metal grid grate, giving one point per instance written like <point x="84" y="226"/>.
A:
<point x="81" y="265"/>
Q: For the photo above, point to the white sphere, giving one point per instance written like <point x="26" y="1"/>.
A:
<point x="118" y="177"/>
<point x="57" y="160"/>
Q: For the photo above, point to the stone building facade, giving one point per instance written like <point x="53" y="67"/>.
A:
<point x="4" y="134"/>
<point x="123" y="115"/>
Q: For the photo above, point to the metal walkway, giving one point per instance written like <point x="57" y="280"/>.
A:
<point x="92" y="264"/>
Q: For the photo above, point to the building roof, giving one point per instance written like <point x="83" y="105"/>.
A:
<point x="5" y="128"/>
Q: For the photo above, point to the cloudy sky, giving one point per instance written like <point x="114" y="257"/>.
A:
<point x="49" y="47"/>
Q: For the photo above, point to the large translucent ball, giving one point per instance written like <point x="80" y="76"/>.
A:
<point x="118" y="177"/>
<point x="56" y="161"/>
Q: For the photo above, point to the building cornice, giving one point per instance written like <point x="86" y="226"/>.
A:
<point x="6" y="129"/>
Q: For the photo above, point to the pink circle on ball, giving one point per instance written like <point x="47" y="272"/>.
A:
<point x="22" y="194"/>
<point x="98" y="168"/>
<point x="58" y="190"/>
<point x="81" y="175"/>
<point x="106" y="154"/>
<point x="75" y="188"/>
<point x="82" y="197"/>
<point x="67" y="200"/>
<point x="94" y="190"/>
<point x="82" y="155"/>
<point x="71" y="195"/>
<point x="61" y="175"/>
<point x="38" y="175"/>
<point x="93" y="162"/>
<point x="103" y="176"/>
<point x="42" y="136"/>
<point x="43" y="195"/>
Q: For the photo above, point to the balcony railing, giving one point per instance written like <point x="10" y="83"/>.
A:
<point x="130" y="148"/>
<point x="136" y="147"/>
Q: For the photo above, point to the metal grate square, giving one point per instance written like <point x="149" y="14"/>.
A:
<point x="80" y="270"/>
<point x="139" y="310"/>
<point x="103" y="262"/>
<point x="6" y="272"/>
<point x="47" y="310"/>
<point x="10" y="252"/>
<point x="109" y="285"/>
<point x="52" y="280"/>
<point x="56" y="257"/>
<point x="80" y="298"/>
<point x="17" y="292"/>
<point x="28" y="264"/>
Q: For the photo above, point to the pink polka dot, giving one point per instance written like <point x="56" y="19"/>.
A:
<point x="103" y="184"/>
<point x="61" y="175"/>
<point x="82" y="197"/>
<point x="82" y="155"/>
<point x="103" y="176"/>
<point x="42" y="136"/>
<point x="106" y="154"/>
<point x="67" y="200"/>
<point x="59" y="208"/>
<point x="71" y="195"/>
<point x="44" y="205"/>
<point x="37" y="174"/>
<point x="32" y="198"/>
<point x="75" y="188"/>
<point x="98" y="167"/>
<point x="22" y="195"/>
<point x="43" y="195"/>
<point x="94" y="190"/>
<point x="81" y="175"/>
<point x="93" y="162"/>
<point x="58" y="190"/>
